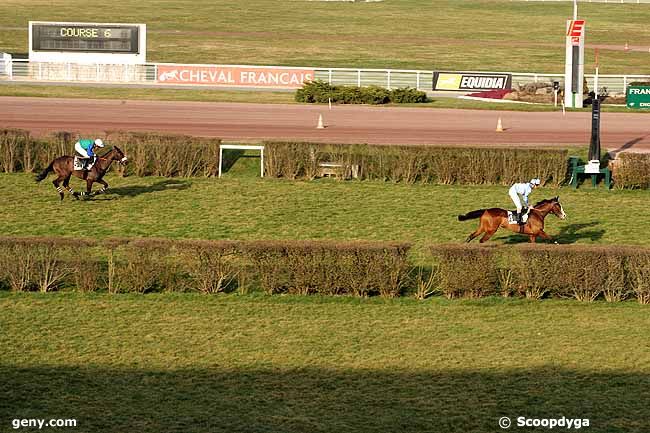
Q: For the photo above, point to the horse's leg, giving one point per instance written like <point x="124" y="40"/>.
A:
<point x="104" y="188"/>
<point x="89" y="187"/>
<point x="532" y="238"/>
<point x="545" y="235"/>
<point x="56" y="183"/>
<point x="474" y="234"/>
<point x="66" y="184"/>
<point x="487" y="236"/>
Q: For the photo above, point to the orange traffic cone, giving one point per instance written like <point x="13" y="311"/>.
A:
<point x="499" y="126"/>
<point x="320" y="122"/>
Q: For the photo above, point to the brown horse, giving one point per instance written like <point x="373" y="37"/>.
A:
<point x="494" y="218"/>
<point x="63" y="166"/>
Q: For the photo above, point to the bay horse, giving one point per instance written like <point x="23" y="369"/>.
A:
<point x="493" y="219"/>
<point x="63" y="167"/>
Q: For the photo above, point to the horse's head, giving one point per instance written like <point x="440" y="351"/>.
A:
<point x="118" y="155"/>
<point x="551" y="206"/>
<point x="557" y="209"/>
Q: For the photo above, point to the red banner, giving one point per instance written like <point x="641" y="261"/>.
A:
<point x="246" y="76"/>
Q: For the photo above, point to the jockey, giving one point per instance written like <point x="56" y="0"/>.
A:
<point x="523" y="190"/>
<point x="85" y="149"/>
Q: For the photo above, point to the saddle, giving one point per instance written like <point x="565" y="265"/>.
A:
<point x="512" y="216"/>
<point x="83" y="163"/>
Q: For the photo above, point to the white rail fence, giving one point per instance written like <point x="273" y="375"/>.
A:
<point x="146" y="74"/>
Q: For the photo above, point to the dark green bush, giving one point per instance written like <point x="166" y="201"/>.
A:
<point x="408" y="95"/>
<point x="321" y="92"/>
<point x="315" y="92"/>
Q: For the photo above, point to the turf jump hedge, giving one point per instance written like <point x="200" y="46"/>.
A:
<point x="154" y="154"/>
<point x="358" y="269"/>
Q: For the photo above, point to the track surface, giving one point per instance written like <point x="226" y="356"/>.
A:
<point x="344" y="124"/>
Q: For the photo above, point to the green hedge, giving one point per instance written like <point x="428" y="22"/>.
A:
<point x="585" y="273"/>
<point x="150" y="154"/>
<point x="424" y="164"/>
<point x="157" y="265"/>
<point x="322" y="92"/>
<point x="632" y="170"/>
<point x="358" y="269"/>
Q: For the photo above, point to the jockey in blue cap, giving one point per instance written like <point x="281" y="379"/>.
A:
<point x="85" y="149"/>
<point x="523" y="190"/>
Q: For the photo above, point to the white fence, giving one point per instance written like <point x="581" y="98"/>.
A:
<point x="146" y="74"/>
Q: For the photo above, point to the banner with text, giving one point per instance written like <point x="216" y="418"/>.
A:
<point x="241" y="76"/>
<point x="638" y="97"/>
<point x="468" y="81"/>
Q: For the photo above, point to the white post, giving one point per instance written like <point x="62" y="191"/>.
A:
<point x="417" y="80"/>
<point x="358" y="77"/>
<point x="220" y="159"/>
<point x="330" y="76"/>
<point x="262" y="162"/>
<point x="388" y="79"/>
<point x="575" y="10"/>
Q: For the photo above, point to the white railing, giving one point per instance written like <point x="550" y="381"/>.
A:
<point x="23" y="70"/>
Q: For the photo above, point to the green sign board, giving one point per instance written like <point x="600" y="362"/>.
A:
<point x="638" y="97"/>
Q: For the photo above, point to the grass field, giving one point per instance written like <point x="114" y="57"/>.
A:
<point x="252" y="363"/>
<point x="241" y="206"/>
<point x="496" y="35"/>
<point x="191" y="363"/>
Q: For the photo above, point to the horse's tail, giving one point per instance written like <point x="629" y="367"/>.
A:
<point x="43" y="175"/>
<point x="471" y="215"/>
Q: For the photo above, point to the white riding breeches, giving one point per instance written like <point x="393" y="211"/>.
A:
<point x="80" y="150"/>
<point x="515" y="198"/>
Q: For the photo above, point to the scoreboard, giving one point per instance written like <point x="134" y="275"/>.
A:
<point x="88" y="38"/>
<point x="92" y="42"/>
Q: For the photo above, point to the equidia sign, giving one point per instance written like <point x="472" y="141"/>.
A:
<point x="246" y="76"/>
<point x="471" y="81"/>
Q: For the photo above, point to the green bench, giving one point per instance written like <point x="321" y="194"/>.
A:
<point x="579" y="170"/>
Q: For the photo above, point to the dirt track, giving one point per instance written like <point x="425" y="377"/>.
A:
<point x="345" y="124"/>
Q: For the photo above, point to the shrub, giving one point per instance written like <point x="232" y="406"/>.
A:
<point x="154" y="154"/>
<point x="304" y="267"/>
<point x="321" y="92"/>
<point x="466" y="271"/>
<point x="425" y="164"/>
<point x="632" y="170"/>
<point x="35" y="263"/>
<point x="639" y="273"/>
<point x="408" y="95"/>
<point x="142" y="266"/>
<point x="539" y="271"/>
<point x="211" y="266"/>
<point x="314" y="92"/>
